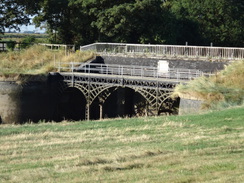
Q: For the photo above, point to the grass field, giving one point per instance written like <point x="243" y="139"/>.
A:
<point x="20" y="36"/>
<point x="199" y="148"/>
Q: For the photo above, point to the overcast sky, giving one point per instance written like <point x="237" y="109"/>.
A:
<point x="31" y="28"/>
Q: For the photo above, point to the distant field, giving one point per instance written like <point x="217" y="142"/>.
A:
<point x="200" y="148"/>
<point x="22" y="35"/>
<point x="18" y="37"/>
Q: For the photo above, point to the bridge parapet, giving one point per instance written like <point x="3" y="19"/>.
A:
<point x="168" y="51"/>
<point x="131" y="70"/>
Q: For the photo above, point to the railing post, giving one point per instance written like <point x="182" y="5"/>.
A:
<point x="88" y="99"/>
<point x="72" y="68"/>
<point x="157" y="93"/>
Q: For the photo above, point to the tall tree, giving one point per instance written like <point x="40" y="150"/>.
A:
<point x="137" y="21"/>
<point x="145" y="21"/>
<point x="12" y="15"/>
<point x="219" y="21"/>
<point x="86" y="21"/>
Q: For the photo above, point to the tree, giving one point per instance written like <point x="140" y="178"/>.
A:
<point x="12" y="15"/>
<point x="145" y="21"/>
<point x="218" y="21"/>
<point x="198" y="22"/>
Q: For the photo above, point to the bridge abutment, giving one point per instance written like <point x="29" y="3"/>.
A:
<point x="26" y="99"/>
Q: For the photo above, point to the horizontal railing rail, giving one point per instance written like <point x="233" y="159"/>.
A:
<point x="204" y="52"/>
<point x="129" y="70"/>
<point x="58" y="46"/>
<point x="17" y="46"/>
<point x="13" y="45"/>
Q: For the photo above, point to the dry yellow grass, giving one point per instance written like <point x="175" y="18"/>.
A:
<point x="225" y="87"/>
<point x="37" y="60"/>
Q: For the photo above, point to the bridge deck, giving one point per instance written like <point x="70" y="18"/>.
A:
<point x="106" y="76"/>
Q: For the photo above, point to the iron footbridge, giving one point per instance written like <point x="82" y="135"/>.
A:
<point x="100" y="80"/>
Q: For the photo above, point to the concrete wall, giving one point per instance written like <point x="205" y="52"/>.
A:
<point x="189" y="106"/>
<point x="30" y="101"/>
<point x="205" y="66"/>
<point x="9" y="102"/>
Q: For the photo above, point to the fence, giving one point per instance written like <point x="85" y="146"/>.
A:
<point x="173" y="51"/>
<point x="15" y="46"/>
<point x="66" y="47"/>
<point x="129" y="70"/>
<point x="11" y="45"/>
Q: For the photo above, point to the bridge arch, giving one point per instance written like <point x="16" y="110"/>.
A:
<point x="71" y="105"/>
<point x="130" y="101"/>
<point x="122" y="102"/>
<point x="98" y="103"/>
<point x="153" y="94"/>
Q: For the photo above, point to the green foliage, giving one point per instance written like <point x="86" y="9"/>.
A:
<point x="133" y="21"/>
<point x="12" y="15"/>
<point x="11" y="45"/>
<point x="147" y="21"/>
<point x="198" y="148"/>
<point x="218" y="21"/>
<point x="28" y="41"/>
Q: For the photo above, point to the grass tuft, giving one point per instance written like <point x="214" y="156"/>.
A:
<point x="222" y="90"/>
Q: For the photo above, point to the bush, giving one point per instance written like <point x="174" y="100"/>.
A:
<point x="28" y="41"/>
<point x="11" y="45"/>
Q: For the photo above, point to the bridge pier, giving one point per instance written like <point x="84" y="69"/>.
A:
<point x="87" y="116"/>
<point x="100" y="111"/>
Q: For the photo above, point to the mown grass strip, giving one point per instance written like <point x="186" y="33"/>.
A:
<point x="197" y="148"/>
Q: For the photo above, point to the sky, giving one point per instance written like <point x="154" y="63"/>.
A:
<point x="24" y="28"/>
<point x="30" y="27"/>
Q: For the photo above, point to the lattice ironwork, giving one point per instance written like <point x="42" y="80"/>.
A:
<point x="155" y="91"/>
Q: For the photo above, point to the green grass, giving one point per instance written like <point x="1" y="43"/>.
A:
<point x="198" y="148"/>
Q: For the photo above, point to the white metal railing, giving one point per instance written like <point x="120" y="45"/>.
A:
<point x="66" y="47"/>
<point x="129" y="70"/>
<point x="204" y="52"/>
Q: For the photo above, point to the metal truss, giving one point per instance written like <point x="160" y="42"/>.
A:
<point x="98" y="86"/>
